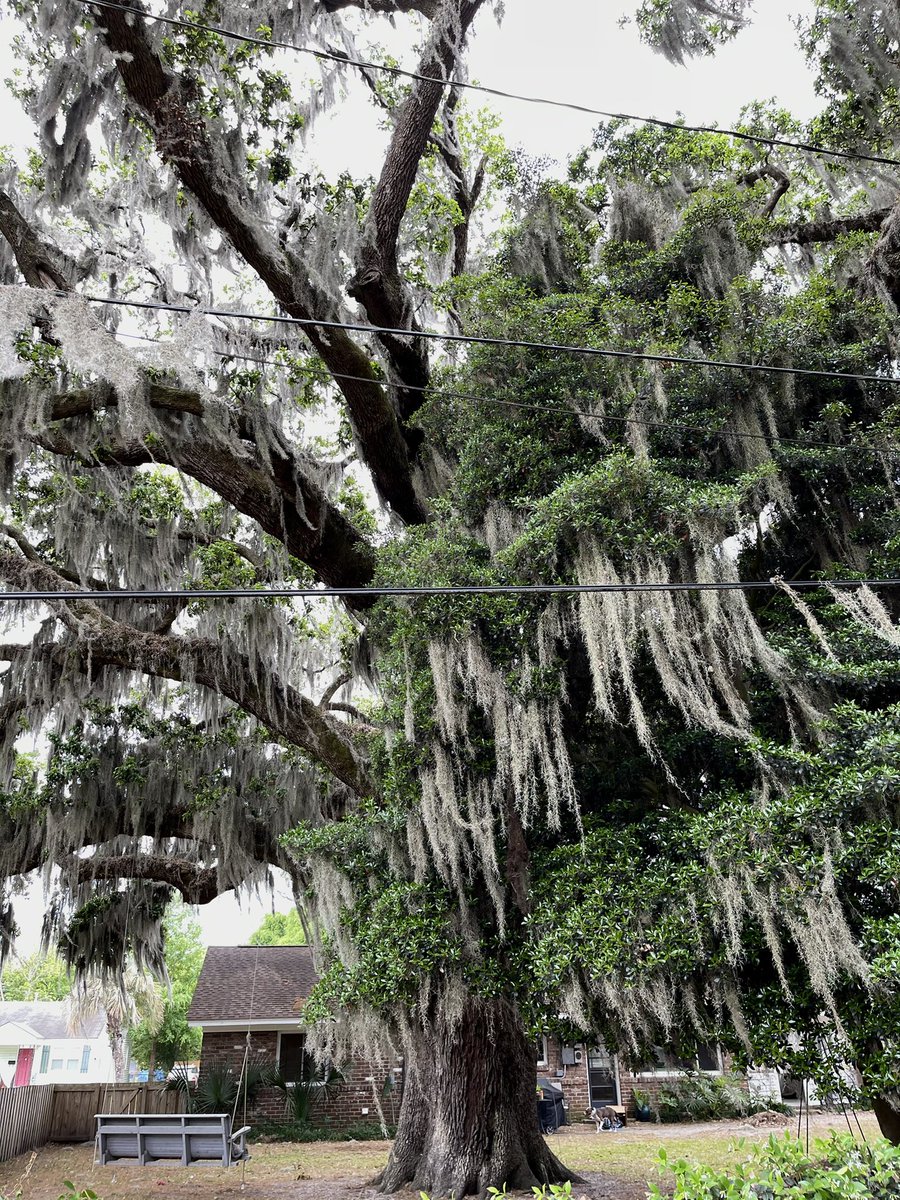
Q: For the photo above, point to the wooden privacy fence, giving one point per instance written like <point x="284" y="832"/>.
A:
<point x="25" y="1115"/>
<point x="65" y="1112"/>
<point x="75" y="1105"/>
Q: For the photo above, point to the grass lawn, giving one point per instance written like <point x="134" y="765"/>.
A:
<point x="631" y="1153"/>
<point x="615" y="1165"/>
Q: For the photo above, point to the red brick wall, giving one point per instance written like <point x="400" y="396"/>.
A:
<point x="349" y="1103"/>
<point x="574" y="1084"/>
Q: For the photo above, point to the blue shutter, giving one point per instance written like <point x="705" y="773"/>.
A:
<point x="45" y="1059"/>
<point x="85" y="1060"/>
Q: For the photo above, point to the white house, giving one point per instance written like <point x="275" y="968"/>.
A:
<point x="39" y="1043"/>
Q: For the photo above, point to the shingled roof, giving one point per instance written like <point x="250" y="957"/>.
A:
<point x="252" y="984"/>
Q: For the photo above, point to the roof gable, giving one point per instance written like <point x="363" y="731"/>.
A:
<point x="14" y="1034"/>
<point x="51" y="1020"/>
<point x="253" y="984"/>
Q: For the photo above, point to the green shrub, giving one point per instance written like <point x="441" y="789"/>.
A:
<point x="303" y="1096"/>
<point x="837" y="1169"/>
<point x="699" y="1097"/>
<point x="221" y="1088"/>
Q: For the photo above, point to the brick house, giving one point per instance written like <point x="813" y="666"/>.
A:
<point x="261" y="990"/>
<point x="591" y="1077"/>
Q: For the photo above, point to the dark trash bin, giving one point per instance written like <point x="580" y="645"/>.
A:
<point x="551" y="1111"/>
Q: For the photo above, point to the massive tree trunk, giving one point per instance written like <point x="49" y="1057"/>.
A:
<point x="469" y="1115"/>
<point x="888" y="1118"/>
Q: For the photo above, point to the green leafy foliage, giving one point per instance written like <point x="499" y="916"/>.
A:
<point x="837" y="1169"/>
<point x="37" y="977"/>
<point x="700" y="1097"/>
<point x="279" y="929"/>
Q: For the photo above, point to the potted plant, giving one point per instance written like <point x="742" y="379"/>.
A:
<point x="641" y="1104"/>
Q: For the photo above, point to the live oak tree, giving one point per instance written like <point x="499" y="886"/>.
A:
<point x="651" y="811"/>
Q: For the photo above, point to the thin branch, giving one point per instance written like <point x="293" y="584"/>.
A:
<point x="341" y="681"/>
<point x="351" y="710"/>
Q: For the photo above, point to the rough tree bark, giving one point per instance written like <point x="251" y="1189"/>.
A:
<point x="469" y="1115"/>
<point x="888" y="1119"/>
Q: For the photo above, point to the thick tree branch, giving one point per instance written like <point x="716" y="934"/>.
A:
<point x="168" y="102"/>
<point x="465" y="193"/>
<point x="882" y="271"/>
<point x="43" y="264"/>
<point x="104" y="641"/>
<point x="803" y="233"/>
<point x="428" y="8"/>
<point x="341" y="681"/>
<point x="377" y="283"/>
<point x="281" y="494"/>
<point x="197" y="884"/>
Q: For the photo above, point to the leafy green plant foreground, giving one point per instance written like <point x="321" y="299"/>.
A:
<point x="837" y="1169"/>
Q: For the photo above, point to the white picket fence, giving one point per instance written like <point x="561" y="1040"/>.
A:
<point x="25" y="1116"/>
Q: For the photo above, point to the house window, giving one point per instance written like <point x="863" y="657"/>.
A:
<point x="667" y="1062"/>
<point x="543" y="1057"/>
<point x="45" y="1059"/>
<point x="292" y="1057"/>
<point x="56" y="1064"/>
<point x="85" y="1060"/>
<point x="71" y="1064"/>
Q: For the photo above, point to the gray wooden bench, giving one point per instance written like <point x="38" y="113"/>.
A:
<point x="187" y="1138"/>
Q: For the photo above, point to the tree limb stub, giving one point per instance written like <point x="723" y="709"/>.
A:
<point x="185" y="142"/>
<point x="780" y="178"/>
<point x="279" y="706"/>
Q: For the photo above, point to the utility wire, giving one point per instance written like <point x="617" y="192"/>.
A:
<point x="502" y="589"/>
<point x="323" y="375"/>
<point x="477" y="340"/>
<point x="363" y="65"/>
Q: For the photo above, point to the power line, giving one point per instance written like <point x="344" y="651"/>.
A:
<point x="511" y="343"/>
<point x="510" y="589"/>
<point x="363" y="65"/>
<point x="324" y="375"/>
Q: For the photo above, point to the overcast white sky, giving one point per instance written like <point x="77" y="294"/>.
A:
<point x="572" y="50"/>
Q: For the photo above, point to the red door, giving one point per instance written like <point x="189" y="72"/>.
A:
<point x="23" y="1067"/>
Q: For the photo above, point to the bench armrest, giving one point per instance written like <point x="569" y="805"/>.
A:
<point x="240" y="1132"/>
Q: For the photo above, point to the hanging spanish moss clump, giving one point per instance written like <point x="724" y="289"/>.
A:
<point x="97" y="931"/>
<point x="680" y="29"/>
<point x="699" y="644"/>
